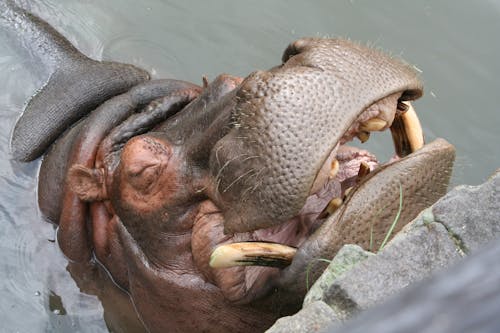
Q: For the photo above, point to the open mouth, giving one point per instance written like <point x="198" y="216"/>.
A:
<point x="345" y="169"/>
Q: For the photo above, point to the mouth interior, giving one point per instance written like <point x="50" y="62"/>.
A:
<point x="342" y="171"/>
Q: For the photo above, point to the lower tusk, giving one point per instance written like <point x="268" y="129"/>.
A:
<point x="252" y="254"/>
<point x="407" y="133"/>
<point x="374" y="124"/>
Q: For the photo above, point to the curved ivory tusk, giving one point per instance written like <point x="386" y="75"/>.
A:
<point x="407" y="133"/>
<point x="252" y="254"/>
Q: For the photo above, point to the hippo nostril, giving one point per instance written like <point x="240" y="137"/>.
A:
<point x="294" y="49"/>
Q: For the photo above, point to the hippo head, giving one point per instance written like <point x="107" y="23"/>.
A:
<point x="258" y="172"/>
<point x="210" y="205"/>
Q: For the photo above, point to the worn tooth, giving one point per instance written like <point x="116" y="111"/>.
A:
<point x="363" y="136"/>
<point x="374" y="124"/>
<point x="364" y="169"/>
<point x="252" y="254"/>
<point x="335" y="169"/>
<point x="333" y="205"/>
<point x="407" y="133"/>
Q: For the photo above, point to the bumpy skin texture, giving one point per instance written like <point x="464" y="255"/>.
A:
<point x="291" y="117"/>
<point x="158" y="176"/>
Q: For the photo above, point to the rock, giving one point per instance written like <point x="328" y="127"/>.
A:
<point x="471" y="213"/>
<point x="347" y="257"/>
<point x="462" y="299"/>
<point x="315" y="317"/>
<point x="421" y="248"/>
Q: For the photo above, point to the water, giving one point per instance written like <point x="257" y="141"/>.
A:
<point x="453" y="43"/>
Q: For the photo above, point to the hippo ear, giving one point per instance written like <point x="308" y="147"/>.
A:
<point x="87" y="183"/>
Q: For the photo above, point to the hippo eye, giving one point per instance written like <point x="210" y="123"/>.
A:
<point x="142" y="178"/>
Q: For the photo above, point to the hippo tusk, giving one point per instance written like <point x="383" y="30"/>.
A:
<point x="252" y="254"/>
<point x="406" y="131"/>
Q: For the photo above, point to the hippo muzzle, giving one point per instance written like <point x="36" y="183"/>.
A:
<point x="288" y="122"/>
<point x="284" y="173"/>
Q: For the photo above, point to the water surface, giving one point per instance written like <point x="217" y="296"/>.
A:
<point x="453" y="43"/>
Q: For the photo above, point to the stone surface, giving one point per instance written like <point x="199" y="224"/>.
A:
<point x="347" y="257"/>
<point x="421" y="248"/>
<point x="471" y="213"/>
<point x="462" y="299"/>
<point x="313" y="318"/>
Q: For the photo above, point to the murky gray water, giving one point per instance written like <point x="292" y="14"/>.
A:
<point x="454" y="43"/>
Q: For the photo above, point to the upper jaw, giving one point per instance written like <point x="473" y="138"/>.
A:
<point x="286" y="122"/>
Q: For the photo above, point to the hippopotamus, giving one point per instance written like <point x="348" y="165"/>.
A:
<point x="210" y="205"/>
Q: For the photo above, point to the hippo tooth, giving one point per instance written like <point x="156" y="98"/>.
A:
<point x="364" y="169"/>
<point x="333" y="205"/>
<point x="374" y="124"/>
<point x="413" y="129"/>
<point x="363" y="136"/>
<point x="252" y="254"/>
<point x="407" y="133"/>
<point x="335" y="169"/>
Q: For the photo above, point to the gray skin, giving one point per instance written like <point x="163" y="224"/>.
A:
<point x="76" y="86"/>
<point x="153" y="189"/>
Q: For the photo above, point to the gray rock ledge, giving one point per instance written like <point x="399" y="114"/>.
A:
<point x="461" y="222"/>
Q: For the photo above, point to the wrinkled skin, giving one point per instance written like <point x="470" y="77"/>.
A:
<point x="154" y="179"/>
<point x="169" y="197"/>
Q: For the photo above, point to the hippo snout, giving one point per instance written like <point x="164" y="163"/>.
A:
<point x="287" y="122"/>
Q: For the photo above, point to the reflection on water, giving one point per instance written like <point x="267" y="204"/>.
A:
<point x="449" y="41"/>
